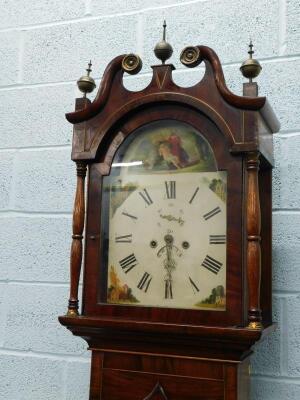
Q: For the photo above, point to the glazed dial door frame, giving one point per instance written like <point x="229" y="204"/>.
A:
<point x="95" y="273"/>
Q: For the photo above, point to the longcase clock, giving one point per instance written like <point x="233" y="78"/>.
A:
<point x="177" y="236"/>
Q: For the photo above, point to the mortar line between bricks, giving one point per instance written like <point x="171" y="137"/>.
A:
<point x="90" y="18"/>
<point x="88" y="8"/>
<point x="285" y="379"/>
<point x="64" y="382"/>
<point x="18" y="86"/>
<point x="284" y="339"/>
<point x="282" y="27"/>
<point x="12" y="193"/>
<point x="286" y="293"/>
<point x="287" y="58"/>
<point x="140" y="37"/>
<point x="40" y="354"/>
<point x="284" y="211"/>
<point x="37" y="148"/>
<point x="285" y="134"/>
<point x="20" y="57"/>
<point x="34" y="283"/>
<point x="35" y="214"/>
<point x="5" y="310"/>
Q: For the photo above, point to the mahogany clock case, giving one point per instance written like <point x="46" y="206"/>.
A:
<point x="141" y="352"/>
<point x="233" y="126"/>
<point x="95" y="276"/>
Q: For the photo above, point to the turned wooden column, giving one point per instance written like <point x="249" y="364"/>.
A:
<point x="253" y="241"/>
<point x="76" y="248"/>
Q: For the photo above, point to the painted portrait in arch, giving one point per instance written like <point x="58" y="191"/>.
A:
<point x="163" y="146"/>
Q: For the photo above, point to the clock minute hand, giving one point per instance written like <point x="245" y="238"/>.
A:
<point x="169" y="266"/>
<point x="168" y="289"/>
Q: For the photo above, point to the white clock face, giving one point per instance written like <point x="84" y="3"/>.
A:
<point x="167" y="241"/>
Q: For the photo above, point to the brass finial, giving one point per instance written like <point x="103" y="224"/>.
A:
<point x="165" y="28"/>
<point x="163" y="50"/>
<point x="251" y="51"/>
<point x="190" y="56"/>
<point x="250" y="68"/>
<point x="86" y="83"/>
<point x="132" y="64"/>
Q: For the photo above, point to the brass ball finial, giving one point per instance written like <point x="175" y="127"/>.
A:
<point x="163" y="50"/>
<point x="86" y="83"/>
<point x="250" y="68"/>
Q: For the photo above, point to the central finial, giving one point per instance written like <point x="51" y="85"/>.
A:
<point x="250" y="68"/>
<point x="163" y="50"/>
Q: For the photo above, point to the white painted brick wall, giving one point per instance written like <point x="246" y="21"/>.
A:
<point x="38" y="117"/>
<point x="44" y="48"/>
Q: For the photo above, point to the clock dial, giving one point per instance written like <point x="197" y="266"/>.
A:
<point x="165" y="221"/>
<point x="167" y="241"/>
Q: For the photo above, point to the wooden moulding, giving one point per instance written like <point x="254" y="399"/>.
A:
<point x="253" y="242"/>
<point x="76" y="248"/>
<point x="114" y="71"/>
<point x="205" y="53"/>
<point x="113" y="334"/>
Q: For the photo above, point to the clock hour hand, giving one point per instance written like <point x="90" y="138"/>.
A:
<point x="169" y="264"/>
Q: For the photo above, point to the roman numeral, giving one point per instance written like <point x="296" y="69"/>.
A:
<point x="194" y="195"/>
<point x="211" y="264"/>
<point x="128" y="263"/>
<point x="129" y="215"/>
<point x="145" y="282"/>
<point x="171" y="189"/>
<point x="212" y="213"/>
<point x="145" y="196"/>
<point x="217" y="239"/>
<point x="194" y="286"/>
<point x="168" y="290"/>
<point x="124" y="239"/>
